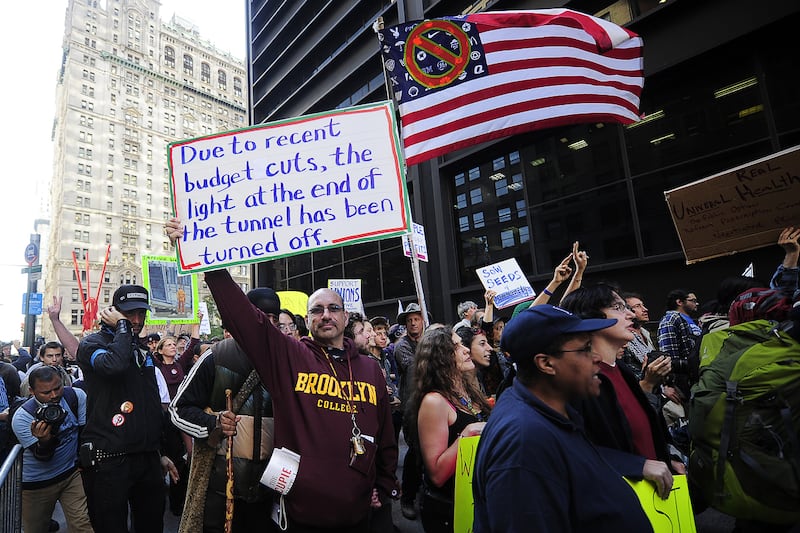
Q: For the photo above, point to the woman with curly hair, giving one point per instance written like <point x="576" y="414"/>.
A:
<point x="489" y="368"/>
<point x="444" y="406"/>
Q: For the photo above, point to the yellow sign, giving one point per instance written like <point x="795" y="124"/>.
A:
<point x="673" y="515"/>
<point x="294" y="301"/>
<point x="464" y="503"/>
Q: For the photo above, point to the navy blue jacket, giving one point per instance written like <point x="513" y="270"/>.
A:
<point x="537" y="471"/>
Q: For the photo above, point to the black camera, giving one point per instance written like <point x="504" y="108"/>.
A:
<point x="680" y="365"/>
<point x="51" y="413"/>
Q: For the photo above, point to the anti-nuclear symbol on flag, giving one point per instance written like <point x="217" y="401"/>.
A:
<point x="436" y="53"/>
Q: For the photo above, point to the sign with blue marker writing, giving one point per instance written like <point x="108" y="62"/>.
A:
<point x="508" y="280"/>
<point x="350" y="291"/>
<point x="289" y="187"/>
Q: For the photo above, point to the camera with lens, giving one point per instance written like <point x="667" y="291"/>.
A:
<point x="680" y="365"/>
<point x="52" y="413"/>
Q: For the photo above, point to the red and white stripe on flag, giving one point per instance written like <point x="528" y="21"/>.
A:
<point x="544" y="68"/>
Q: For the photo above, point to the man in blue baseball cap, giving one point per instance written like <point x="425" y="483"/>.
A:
<point x="535" y="468"/>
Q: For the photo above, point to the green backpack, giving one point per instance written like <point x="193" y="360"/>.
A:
<point x="744" y="417"/>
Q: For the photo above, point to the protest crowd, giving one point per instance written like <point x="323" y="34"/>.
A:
<point x="276" y="428"/>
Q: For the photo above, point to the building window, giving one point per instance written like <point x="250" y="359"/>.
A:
<point x="475" y="196"/>
<point x="507" y="238"/>
<point x="501" y="187"/>
<point x="188" y="65"/>
<point x="524" y="234"/>
<point x="237" y="87"/>
<point x="223" y="80"/>
<point x="169" y="56"/>
<point x="205" y="72"/>
<point x="504" y="214"/>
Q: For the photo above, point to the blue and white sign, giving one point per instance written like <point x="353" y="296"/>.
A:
<point x="350" y="291"/>
<point x="31" y="253"/>
<point x="508" y="280"/>
<point x="35" y="306"/>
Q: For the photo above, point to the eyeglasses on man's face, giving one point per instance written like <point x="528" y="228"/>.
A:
<point x="319" y="310"/>
<point x="586" y="350"/>
<point x="287" y="327"/>
<point x="620" y="306"/>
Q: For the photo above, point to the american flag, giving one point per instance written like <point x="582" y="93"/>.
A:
<point x="464" y="80"/>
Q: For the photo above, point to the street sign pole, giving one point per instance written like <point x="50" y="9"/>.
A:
<point x="32" y="258"/>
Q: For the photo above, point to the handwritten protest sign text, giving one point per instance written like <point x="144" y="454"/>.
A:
<point x="289" y="187"/>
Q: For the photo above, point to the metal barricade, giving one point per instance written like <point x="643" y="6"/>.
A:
<point x="11" y="491"/>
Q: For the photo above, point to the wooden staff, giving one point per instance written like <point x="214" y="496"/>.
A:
<point x="229" y="460"/>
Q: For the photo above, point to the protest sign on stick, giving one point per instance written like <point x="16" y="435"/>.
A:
<point x="737" y="210"/>
<point x="289" y="187"/>
<point x="350" y="291"/>
<point x="508" y="280"/>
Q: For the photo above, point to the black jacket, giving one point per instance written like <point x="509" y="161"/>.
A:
<point x="116" y="372"/>
<point x="606" y="423"/>
<point x="203" y="390"/>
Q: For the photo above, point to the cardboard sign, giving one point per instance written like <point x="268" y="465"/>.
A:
<point x="289" y="187"/>
<point x="173" y="298"/>
<point x="737" y="210"/>
<point x="350" y="291"/>
<point x="673" y="515"/>
<point x="507" y="278"/>
<point x="464" y="511"/>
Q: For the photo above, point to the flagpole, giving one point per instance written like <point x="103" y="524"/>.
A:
<point x="415" y="270"/>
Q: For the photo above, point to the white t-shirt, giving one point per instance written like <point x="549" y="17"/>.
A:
<point x="162" y="386"/>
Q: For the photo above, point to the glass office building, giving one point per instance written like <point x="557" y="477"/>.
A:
<point x="721" y="90"/>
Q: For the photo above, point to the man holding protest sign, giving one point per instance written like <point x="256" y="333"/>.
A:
<point x="330" y="404"/>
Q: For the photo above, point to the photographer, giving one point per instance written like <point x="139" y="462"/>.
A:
<point x="47" y="425"/>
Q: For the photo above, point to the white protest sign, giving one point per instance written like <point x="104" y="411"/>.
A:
<point x="507" y="278"/>
<point x="205" y="324"/>
<point x="420" y="245"/>
<point x="350" y="291"/>
<point x="289" y="187"/>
